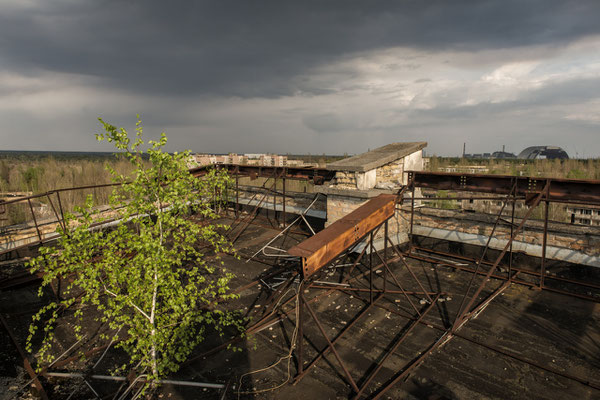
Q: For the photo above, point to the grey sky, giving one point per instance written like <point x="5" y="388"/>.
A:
<point x="303" y="76"/>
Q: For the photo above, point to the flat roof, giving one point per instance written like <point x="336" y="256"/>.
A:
<point x="376" y="158"/>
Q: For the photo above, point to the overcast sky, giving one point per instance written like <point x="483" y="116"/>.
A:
<point x="302" y="76"/>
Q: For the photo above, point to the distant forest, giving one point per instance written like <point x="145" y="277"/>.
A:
<point x="38" y="172"/>
<point x="26" y="173"/>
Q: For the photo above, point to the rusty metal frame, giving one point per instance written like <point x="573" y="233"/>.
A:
<point x="318" y="176"/>
<point x="534" y="191"/>
<point x="558" y="190"/>
<point x="373" y="219"/>
<point x="284" y="234"/>
<point x="39" y="389"/>
<point x="375" y="298"/>
<point x="471" y="306"/>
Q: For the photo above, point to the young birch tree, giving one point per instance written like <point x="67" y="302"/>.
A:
<point x="156" y="277"/>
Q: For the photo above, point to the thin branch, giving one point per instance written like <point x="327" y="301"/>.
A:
<point x="128" y="299"/>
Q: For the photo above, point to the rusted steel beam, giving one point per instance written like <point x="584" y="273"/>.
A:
<point x="304" y="303"/>
<point x="327" y="348"/>
<point x="325" y="246"/>
<point x="560" y="190"/>
<point x="317" y="175"/>
<point x="437" y="262"/>
<point x="34" y="378"/>
<point x="487" y="246"/>
<point x="392" y="350"/>
<point x="463" y="311"/>
<point x="244" y="222"/>
<point x="50" y="192"/>
<point x="498" y="350"/>
<point x="20" y="279"/>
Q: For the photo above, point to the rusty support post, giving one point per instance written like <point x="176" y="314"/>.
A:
<point x="34" y="378"/>
<point x="60" y="207"/>
<point x="360" y="256"/>
<point x="463" y="312"/>
<point x="372" y="249"/>
<point x="283" y="198"/>
<point x="275" y="197"/>
<point x="412" y="218"/>
<point x="274" y="297"/>
<point x="398" y="283"/>
<point x="327" y="349"/>
<point x="237" y="190"/>
<point x="55" y="212"/>
<point x="487" y="246"/>
<point x="335" y="353"/>
<point x="544" y="243"/>
<point x="300" y="338"/>
<point x="391" y="351"/>
<point x="266" y="199"/>
<point x="385" y="251"/>
<point x="35" y="221"/>
<point x="512" y="226"/>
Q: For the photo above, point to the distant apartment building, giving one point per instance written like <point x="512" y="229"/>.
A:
<point x="206" y="159"/>
<point x="584" y="215"/>
<point x="245" y="159"/>
<point x="273" y="160"/>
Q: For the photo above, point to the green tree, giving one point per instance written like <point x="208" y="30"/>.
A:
<point x="156" y="277"/>
<point x="443" y="200"/>
<point x="31" y="177"/>
<point x="576" y="174"/>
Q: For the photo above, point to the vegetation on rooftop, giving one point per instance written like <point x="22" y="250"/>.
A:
<point x="156" y="279"/>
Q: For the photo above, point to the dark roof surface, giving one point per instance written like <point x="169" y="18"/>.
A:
<point x="376" y="158"/>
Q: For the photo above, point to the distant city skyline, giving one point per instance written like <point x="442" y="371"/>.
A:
<point x="303" y="77"/>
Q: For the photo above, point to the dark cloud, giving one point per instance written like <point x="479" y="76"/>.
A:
<point x="262" y="48"/>
<point x="323" y="123"/>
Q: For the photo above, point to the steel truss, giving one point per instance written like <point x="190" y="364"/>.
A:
<point x="377" y="285"/>
<point x="472" y="303"/>
<point x="383" y="286"/>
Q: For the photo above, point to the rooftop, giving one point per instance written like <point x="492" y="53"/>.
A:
<point x="376" y="158"/>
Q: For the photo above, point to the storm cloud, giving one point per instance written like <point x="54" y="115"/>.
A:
<point x="309" y="76"/>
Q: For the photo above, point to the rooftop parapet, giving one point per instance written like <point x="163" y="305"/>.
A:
<point x="376" y="158"/>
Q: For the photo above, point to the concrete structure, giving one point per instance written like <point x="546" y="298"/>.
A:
<point x="574" y="244"/>
<point x="364" y="176"/>
<point x="382" y="168"/>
